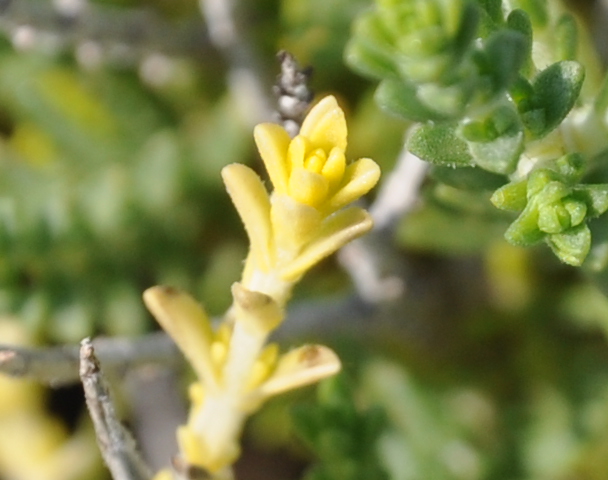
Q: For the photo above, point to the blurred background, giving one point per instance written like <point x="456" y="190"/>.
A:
<point x="116" y="117"/>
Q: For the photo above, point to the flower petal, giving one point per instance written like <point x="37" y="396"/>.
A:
<point x="335" y="232"/>
<point x="250" y="198"/>
<point x="308" y="187"/>
<point x="325" y="125"/>
<point x="296" y="153"/>
<point x="293" y="224"/>
<point x="184" y="319"/>
<point x="273" y="142"/>
<point x="299" y="367"/>
<point x="360" y="177"/>
<point x="335" y="167"/>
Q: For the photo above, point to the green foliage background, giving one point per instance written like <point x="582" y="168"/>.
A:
<point x="494" y="365"/>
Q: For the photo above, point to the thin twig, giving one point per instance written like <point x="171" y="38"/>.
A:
<point x="117" y="446"/>
<point x="58" y="366"/>
<point x="369" y="261"/>
<point x="399" y="193"/>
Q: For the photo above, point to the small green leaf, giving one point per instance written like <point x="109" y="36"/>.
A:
<point x="553" y="218"/>
<point x="519" y="21"/>
<point x="493" y="8"/>
<point x="577" y="211"/>
<point x="497" y="141"/>
<point x="572" y="246"/>
<point x="401" y="99"/>
<point x="512" y="196"/>
<point x="594" y="196"/>
<point x="440" y="145"/>
<point x="468" y="178"/>
<point x="467" y="30"/>
<point x="524" y="230"/>
<point x="499" y="156"/>
<point x="556" y="89"/>
<point x="370" y="50"/>
<point x="505" y="53"/>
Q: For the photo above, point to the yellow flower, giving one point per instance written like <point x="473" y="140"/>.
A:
<point x="312" y="168"/>
<point x="304" y="219"/>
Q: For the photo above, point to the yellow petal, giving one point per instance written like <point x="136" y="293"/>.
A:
<point x="250" y="198"/>
<point x="273" y="142"/>
<point x="335" y="232"/>
<point x="308" y="187"/>
<point x="184" y="319"/>
<point x="325" y="125"/>
<point x="293" y="224"/>
<point x="334" y="168"/>
<point x="296" y="153"/>
<point x="360" y="177"/>
<point x="300" y="367"/>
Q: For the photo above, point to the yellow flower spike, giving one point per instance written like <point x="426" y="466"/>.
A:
<point x="251" y="201"/>
<point x="273" y="142"/>
<point x="184" y="319"/>
<point x="300" y="367"/>
<point x="359" y="178"/>
<point x="335" y="232"/>
<point x="256" y="311"/>
<point x="325" y="125"/>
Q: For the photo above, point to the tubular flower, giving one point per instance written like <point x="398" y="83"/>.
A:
<point x="304" y="219"/>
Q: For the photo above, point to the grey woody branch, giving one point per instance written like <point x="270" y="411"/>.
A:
<point x="59" y="365"/>
<point x="117" y="446"/>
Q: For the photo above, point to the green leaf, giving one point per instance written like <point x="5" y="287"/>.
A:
<point x="556" y="89"/>
<point x="572" y="246"/>
<point x="497" y="141"/>
<point x="469" y="178"/>
<point x="505" y="52"/>
<point x="467" y="31"/>
<point x="594" y="196"/>
<point x="519" y="21"/>
<point x="440" y="145"/>
<point x="499" y="156"/>
<point x="401" y="99"/>
<point x="493" y="9"/>
<point x="524" y="230"/>
<point x="370" y="50"/>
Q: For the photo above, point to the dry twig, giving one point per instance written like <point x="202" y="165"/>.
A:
<point x="58" y="366"/>
<point x="117" y="446"/>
